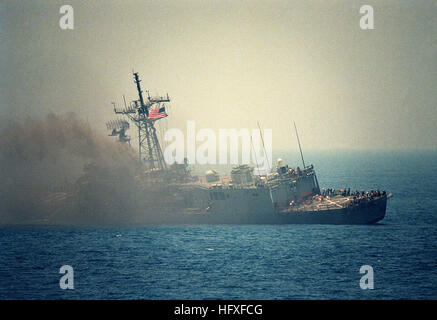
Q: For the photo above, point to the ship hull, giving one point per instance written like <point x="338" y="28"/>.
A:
<point x="367" y="213"/>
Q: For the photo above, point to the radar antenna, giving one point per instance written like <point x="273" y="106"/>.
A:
<point x="118" y="128"/>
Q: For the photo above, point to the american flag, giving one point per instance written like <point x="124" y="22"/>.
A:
<point x="157" y="113"/>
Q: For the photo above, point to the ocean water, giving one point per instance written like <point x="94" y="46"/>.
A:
<point x="247" y="261"/>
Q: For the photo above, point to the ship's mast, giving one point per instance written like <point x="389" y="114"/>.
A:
<point x="148" y="143"/>
<point x="140" y="93"/>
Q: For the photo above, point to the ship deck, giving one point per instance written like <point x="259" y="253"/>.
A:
<point x="329" y="203"/>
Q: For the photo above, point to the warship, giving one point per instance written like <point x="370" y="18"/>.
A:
<point x="286" y="196"/>
<point x="282" y="196"/>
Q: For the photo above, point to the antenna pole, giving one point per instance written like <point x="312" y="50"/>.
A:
<point x="124" y="99"/>
<point x="297" y="135"/>
<point x="140" y="93"/>
<point x="262" y="139"/>
<point x="254" y="153"/>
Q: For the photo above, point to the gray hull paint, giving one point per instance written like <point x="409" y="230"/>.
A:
<point x="256" y="212"/>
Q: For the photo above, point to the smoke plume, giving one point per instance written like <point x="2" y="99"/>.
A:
<point x="56" y="169"/>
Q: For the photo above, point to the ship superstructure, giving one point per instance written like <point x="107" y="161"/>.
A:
<point x="285" y="196"/>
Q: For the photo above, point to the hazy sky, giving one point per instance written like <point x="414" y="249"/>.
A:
<point x="229" y="64"/>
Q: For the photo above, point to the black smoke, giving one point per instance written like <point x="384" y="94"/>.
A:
<point x="56" y="169"/>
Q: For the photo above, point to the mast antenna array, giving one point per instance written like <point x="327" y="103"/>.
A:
<point x="144" y="113"/>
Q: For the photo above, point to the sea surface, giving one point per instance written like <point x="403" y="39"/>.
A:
<point x="247" y="261"/>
